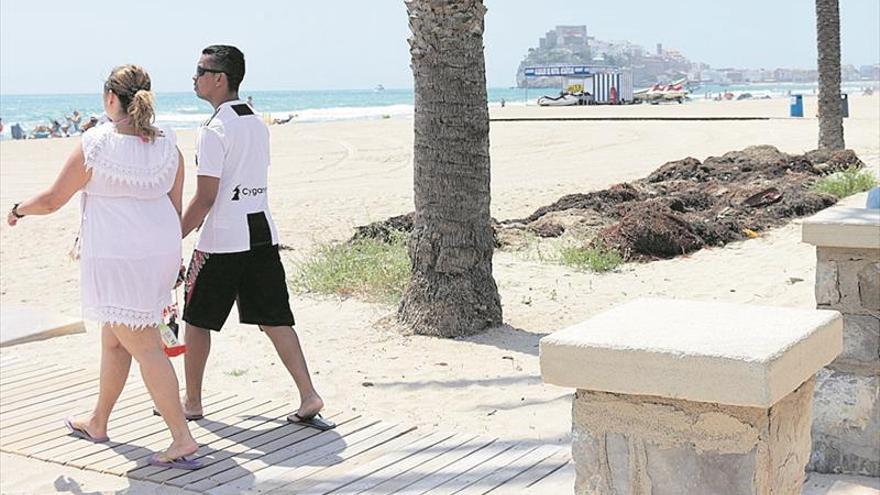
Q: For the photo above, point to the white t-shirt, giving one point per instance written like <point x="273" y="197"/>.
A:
<point x="234" y="147"/>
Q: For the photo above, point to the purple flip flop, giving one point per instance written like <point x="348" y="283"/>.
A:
<point x="179" y="463"/>
<point x="81" y="432"/>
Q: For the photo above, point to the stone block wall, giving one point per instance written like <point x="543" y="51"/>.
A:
<point x="846" y="408"/>
<point x="647" y="445"/>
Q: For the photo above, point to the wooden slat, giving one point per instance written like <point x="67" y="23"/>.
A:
<point x="125" y="430"/>
<point x="390" y="465"/>
<point x="303" y="478"/>
<point x="12" y="396"/>
<point x="559" y="481"/>
<point x="280" y="438"/>
<point x="21" y="369"/>
<point x="516" y="461"/>
<point x="111" y="462"/>
<point x="28" y="406"/>
<point x="150" y="425"/>
<point x="431" y="466"/>
<point x="48" y="389"/>
<point x="450" y="472"/>
<point x="62" y="396"/>
<point x="31" y="376"/>
<point x="305" y="453"/>
<point x="225" y="439"/>
<point x="484" y="469"/>
<point x="50" y="415"/>
<point x="25" y="371"/>
<point x="249" y="447"/>
<point x="46" y="428"/>
<point x="10" y="419"/>
<point x="6" y="359"/>
<point x="523" y="482"/>
<point x="468" y="469"/>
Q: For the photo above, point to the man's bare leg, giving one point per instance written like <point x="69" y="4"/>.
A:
<point x="198" y="346"/>
<point x="290" y="351"/>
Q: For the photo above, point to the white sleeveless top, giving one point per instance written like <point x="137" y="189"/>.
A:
<point x="131" y="242"/>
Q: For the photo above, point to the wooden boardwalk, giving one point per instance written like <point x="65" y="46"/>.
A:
<point x="248" y="447"/>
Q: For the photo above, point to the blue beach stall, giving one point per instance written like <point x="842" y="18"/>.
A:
<point x="797" y="106"/>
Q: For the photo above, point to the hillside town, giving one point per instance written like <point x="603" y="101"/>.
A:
<point x="566" y="45"/>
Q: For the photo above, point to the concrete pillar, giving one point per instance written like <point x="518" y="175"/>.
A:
<point x="692" y="397"/>
<point x="846" y="407"/>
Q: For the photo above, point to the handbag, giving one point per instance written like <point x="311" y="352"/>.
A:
<point x="76" y="250"/>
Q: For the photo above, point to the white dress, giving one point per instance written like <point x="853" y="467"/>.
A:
<point x="131" y="240"/>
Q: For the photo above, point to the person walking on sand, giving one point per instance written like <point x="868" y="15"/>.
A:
<point x="131" y="177"/>
<point x="236" y="257"/>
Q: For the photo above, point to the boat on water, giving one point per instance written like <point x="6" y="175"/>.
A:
<point x="675" y="91"/>
<point x="379" y="87"/>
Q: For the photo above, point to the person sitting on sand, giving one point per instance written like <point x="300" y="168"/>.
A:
<point x="236" y="259"/>
<point x="40" y="131"/>
<point x="93" y="121"/>
<point x="55" y="128"/>
<point x="131" y="177"/>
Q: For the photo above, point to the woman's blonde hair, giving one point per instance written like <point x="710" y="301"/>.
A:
<point x="131" y="84"/>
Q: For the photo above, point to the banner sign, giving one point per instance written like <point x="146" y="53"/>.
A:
<point x="561" y="70"/>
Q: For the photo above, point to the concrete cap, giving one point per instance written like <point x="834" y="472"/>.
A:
<point x="844" y="227"/>
<point x="699" y="351"/>
<point x="20" y="324"/>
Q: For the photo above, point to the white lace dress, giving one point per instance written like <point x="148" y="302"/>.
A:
<point x="131" y="242"/>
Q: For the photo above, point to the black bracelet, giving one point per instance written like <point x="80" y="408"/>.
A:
<point x="15" y="212"/>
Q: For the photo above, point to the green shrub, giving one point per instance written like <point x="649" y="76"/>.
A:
<point x="368" y="269"/>
<point x="593" y="258"/>
<point x="847" y="182"/>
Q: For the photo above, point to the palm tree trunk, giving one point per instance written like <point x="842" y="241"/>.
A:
<point x="451" y="291"/>
<point x="828" y="48"/>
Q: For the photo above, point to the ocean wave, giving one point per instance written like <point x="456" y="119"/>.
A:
<point x="345" y="113"/>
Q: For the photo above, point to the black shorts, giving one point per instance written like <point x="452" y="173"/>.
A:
<point x="253" y="279"/>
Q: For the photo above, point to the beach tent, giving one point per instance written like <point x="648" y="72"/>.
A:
<point x="604" y="84"/>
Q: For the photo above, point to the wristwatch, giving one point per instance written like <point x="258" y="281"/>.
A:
<point x="15" y="212"/>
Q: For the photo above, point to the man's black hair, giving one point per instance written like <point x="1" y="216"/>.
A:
<point x="230" y="60"/>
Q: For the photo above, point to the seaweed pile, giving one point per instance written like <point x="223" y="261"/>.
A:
<point x="681" y="207"/>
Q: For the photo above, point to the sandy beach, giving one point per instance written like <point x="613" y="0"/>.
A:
<point x="327" y="178"/>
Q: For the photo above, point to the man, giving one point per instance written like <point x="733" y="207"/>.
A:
<point x="236" y="257"/>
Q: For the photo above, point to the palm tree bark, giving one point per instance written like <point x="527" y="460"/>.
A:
<point x="828" y="48"/>
<point x="451" y="291"/>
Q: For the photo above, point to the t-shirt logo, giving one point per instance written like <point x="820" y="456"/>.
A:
<point x="236" y="192"/>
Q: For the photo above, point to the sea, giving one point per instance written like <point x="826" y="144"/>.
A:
<point x="184" y="110"/>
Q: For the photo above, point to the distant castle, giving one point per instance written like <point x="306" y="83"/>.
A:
<point x="571" y="45"/>
<point x="566" y="45"/>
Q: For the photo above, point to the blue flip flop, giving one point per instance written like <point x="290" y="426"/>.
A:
<point x="317" y="422"/>
<point x="161" y="460"/>
<point x="82" y="433"/>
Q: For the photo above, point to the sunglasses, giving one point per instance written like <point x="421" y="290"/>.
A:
<point x="201" y="71"/>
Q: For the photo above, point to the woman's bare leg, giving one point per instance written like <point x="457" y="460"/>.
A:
<point x="146" y="347"/>
<point x="115" y="364"/>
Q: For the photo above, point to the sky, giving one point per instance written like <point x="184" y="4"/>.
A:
<point x="55" y="46"/>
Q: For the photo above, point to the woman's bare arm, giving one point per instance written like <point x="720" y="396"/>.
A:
<point x="72" y="178"/>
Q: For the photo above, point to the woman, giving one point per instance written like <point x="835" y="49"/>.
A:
<point x="131" y="176"/>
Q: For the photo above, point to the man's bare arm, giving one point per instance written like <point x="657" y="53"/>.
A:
<point x="200" y="205"/>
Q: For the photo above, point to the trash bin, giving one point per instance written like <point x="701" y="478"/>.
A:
<point x="797" y="106"/>
<point x="844" y="105"/>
